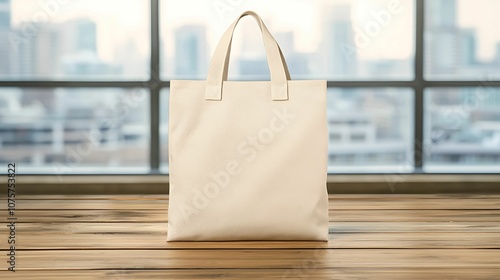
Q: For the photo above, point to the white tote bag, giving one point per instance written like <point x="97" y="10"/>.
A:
<point x="247" y="159"/>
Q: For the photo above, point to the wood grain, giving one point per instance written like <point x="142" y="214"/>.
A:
<point x="141" y="240"/>
<point x="337" y="202"/>
<point x="335" y="227"/>
<point x="134" y="215"/>
<point x="252" y="274"/>
<point x="371" y="237"/>
<point x="256" y="259"/>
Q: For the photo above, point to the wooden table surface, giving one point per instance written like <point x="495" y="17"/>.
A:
<point x="371" y="237"/>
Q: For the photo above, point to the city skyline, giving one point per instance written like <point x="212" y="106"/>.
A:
<point x="368" y="126"/>
<point x="351" y="52"/>
<point x="23" y="10"/>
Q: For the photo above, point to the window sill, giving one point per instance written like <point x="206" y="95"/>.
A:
<point x="337" y="184"/>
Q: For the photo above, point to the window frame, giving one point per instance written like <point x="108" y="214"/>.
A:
<point x="155" y="84"/>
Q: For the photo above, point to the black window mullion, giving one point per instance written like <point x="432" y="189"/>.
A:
<point x="155" y="86"/>
<point x="419" y="88"/>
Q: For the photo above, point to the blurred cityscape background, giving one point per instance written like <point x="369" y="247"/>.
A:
<point x="72" y="130"/>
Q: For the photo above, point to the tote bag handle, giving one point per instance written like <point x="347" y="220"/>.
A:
<point x="217" y="72"/>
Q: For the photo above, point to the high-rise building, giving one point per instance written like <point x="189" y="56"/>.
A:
<point x="442" y="13"/>
<point x="5" y="45"/>
<point x="23" y="57"/>
<point x="467" y="47"/>
<point x="251" y="61"/>
<point x="190" y="51"/>
<point x="36" y="54"/>
<point x="4" y="14"/>
<point x="77" y="45"/>
<point x="442" y="38"/>
<point x="298" y="62"/>
<point x="78" y="35"/>
<point x="57" y="49"/>
<point x="339" y="46"/>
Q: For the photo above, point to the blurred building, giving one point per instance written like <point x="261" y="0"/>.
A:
<point x="78" y="46"/>
<point x="64" y="117"/>
<point x="339" y="48"/>
<point x="59" y="49"/>
<point x="368" y="128"/>
<point x="37" y="53"/>
<point x="71" y="126"/>
<point x="5" y="14"/>
<point x="298" y="62"/>
<point x="191" y="51"/>
<point x="451" y="51"/>
<point x="467" y="47"/>
<point x="251" y="62"/>
<point x="465" y="123"/>
<point x="5" y="44"/>
<point x="442" y="37"/>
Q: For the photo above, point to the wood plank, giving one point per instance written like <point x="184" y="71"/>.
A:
<point x="122" y="215"/>
<point x="116" y="216"/>
<point x="94" y="204"/>
<point x="336" y="202"/>
<point x="90" y="196"/>
<point x="254" y="259"/>
<point x="397" y="197"/>
<point x="414" y="215"/>
<point x="34" y="229"/>
<point x="335" y="227"/>
<point x="415" y="204"/>
<point x="339" y="204"/>
<point x="153" y="240"/>
<point x="252" y="274"/>
<point x="403" y="226"/>
<point x="343" y="235"/>
<point x="363" y="197"/>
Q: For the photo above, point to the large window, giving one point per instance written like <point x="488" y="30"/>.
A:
<point x="461" y="40"/>
<point x="73" y="130"/>
<point x="325" y="39"/>
<point x="74" y="39"/>
<point x="462" y="129"/>
<point x="413" y="84"/>
<point x="370" y="129"/>
<point x="462" y="104"/>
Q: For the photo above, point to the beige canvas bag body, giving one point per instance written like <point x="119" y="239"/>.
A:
<point x="247" y="159"/>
